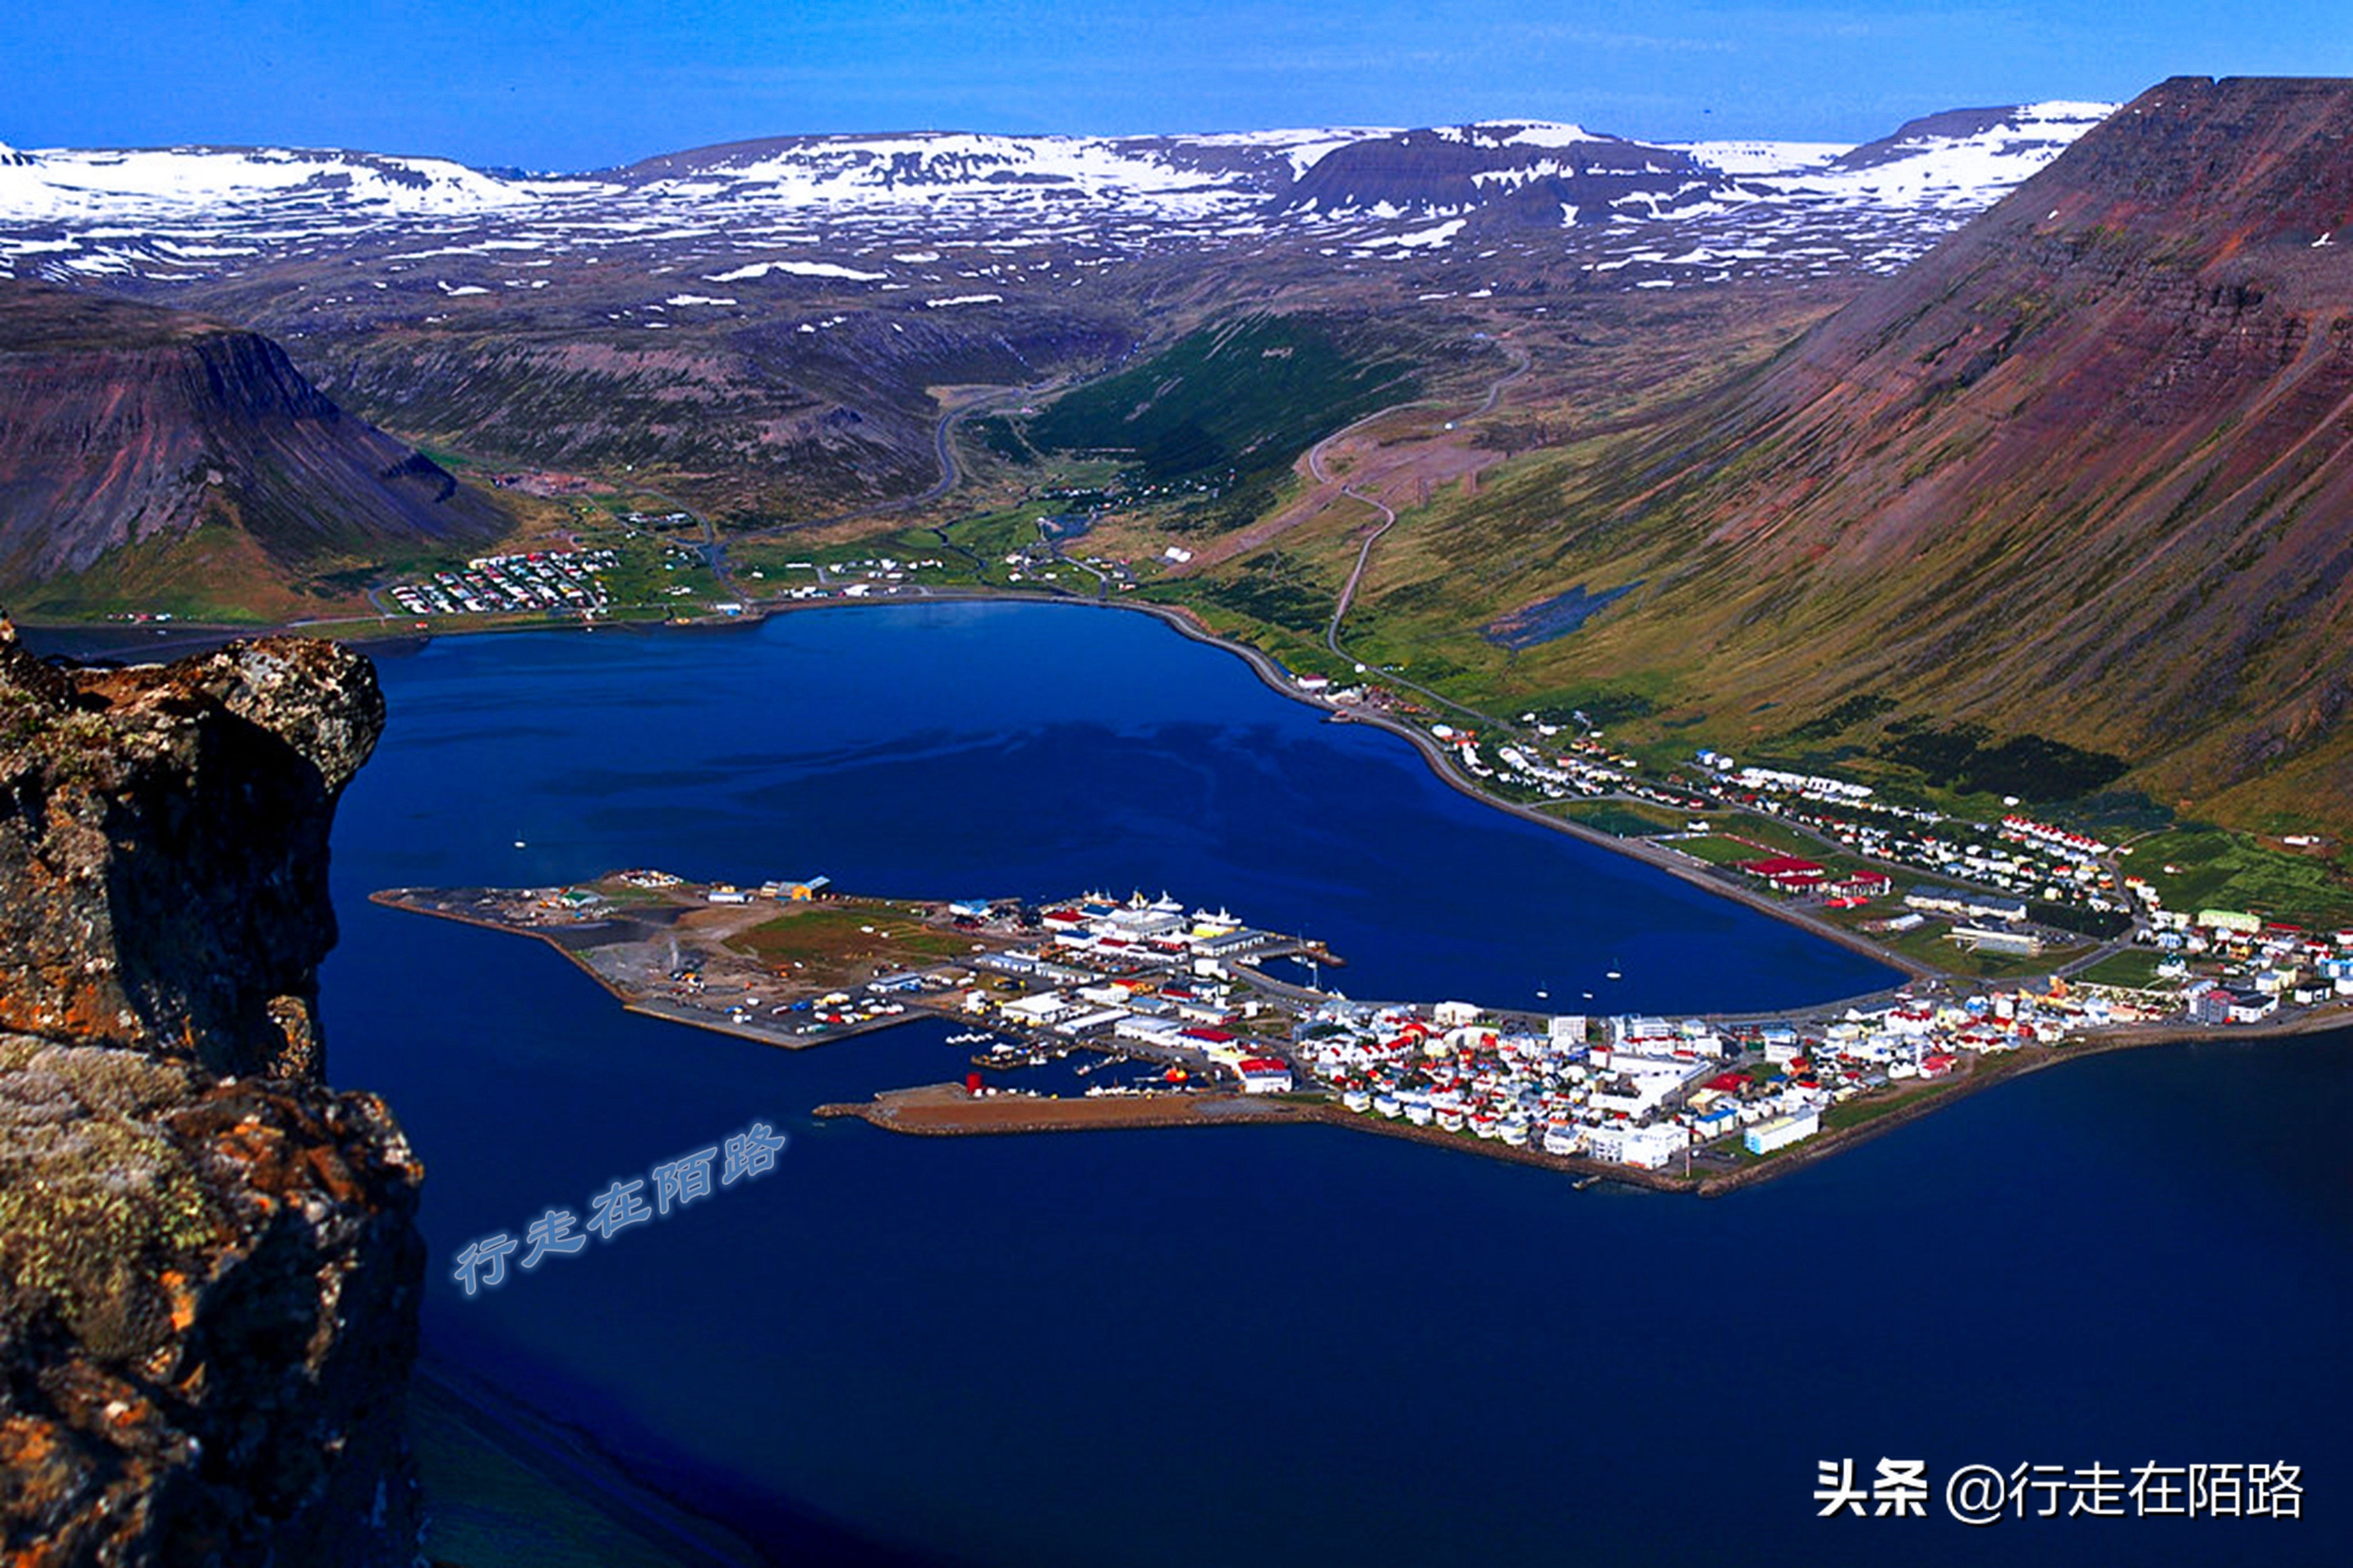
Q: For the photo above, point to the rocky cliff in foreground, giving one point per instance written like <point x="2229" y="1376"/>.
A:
<point x="210" y="1269"/>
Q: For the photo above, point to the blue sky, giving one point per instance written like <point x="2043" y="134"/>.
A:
<point x="589" y="83"/>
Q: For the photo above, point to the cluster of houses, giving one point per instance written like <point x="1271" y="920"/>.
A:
<point x="876" y="577"/>
<point x="1040" y="561"/>
<point x="1583" y="767"/>
<point x="1645" y="1091"/>
<point x="882" y="568"/>
<point x="2033" y="860"/>
<point x="1629" y="1091"/>
<point x="1798" y="876"/>
<point x="2261" y="964"/>
<point x="539" y="580"/>
<point x="1150" y="978"/>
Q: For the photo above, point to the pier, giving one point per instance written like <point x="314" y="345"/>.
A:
<point x="1703" y="1104"/>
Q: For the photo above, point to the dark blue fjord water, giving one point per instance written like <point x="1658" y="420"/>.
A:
<point x="1260" y="1347"/>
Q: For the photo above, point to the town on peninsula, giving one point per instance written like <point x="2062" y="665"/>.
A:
<point x="2023" y="944"/>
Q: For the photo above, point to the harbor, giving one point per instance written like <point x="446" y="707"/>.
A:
<point x="1097" y="1013"/>
<point x="877" y="1248"/>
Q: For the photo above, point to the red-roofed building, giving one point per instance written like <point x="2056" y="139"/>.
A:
<point x="1786" y="873"/>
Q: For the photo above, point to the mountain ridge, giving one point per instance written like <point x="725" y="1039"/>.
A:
<point x="2083" y="470"/>
<point x="200" y="202"/>
<point x="122" y="425"/>
<point x="756" y="329"/>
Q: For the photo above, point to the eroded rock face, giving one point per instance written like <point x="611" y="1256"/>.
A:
<point x="124" y="425"/>
<point x="164" y="847"/>
<point x="209" y="1267"/>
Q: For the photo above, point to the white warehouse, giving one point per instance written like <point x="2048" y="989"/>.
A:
<point x="1780" y="1131"/>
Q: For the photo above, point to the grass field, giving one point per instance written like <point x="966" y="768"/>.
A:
<point x="1872" y="1107"/>
<point x="833" y="936"/>
<point x="650" y="566"/>
<point x="1623" y="820"/>
<point x="2136" y="968"/>
<point x="1930" y="945"/>
<point x="1224" y="410"/>
<point x="2217" y="870"/>
<point x="1719" y="850"/>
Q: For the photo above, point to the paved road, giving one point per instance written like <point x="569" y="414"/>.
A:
<point x="944" y="451"/>
<point x="1520" y="362"/>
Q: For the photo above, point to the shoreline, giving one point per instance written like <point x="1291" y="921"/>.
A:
<point x="1988" y="1072"/>
<point x="1011" y="1116"/>
<point x="1186" y="623"/>
<point x="949" y="1110"/>
<point x="1271" y="674"/>
<point x="955" y="1114"/>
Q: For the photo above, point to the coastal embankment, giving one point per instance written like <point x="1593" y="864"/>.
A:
<point x="1679" y="866"/>
<point x="948" y="1110"/>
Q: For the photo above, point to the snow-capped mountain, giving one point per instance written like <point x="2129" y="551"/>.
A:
<point x="1876" y="207"/>
<point x="876" y="210"/>
<point x="179" y="183"/>
<point x="1505" y="174"/>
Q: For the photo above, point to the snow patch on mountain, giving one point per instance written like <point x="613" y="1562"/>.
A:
<point x="1042" y="205"/>
<point x="1302" y="149"/>
<point x="65" y="184"/>
<point x="1740" y="157"/>
<point x="798" y="269"/>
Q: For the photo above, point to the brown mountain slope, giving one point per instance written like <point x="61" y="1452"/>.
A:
<point x="122" y="425"/>
<point x="2085" y="470"/>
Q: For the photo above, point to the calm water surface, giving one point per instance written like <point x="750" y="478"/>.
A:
<point x="1266" y="1346"/>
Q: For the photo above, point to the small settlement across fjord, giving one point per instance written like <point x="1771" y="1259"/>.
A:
<point x="1176" y="1019"/>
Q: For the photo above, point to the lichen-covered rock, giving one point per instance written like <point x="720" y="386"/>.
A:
<point x="209" y="1265"/>
<point x="209" y="1315"/>
<point x="163" y="846"/>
